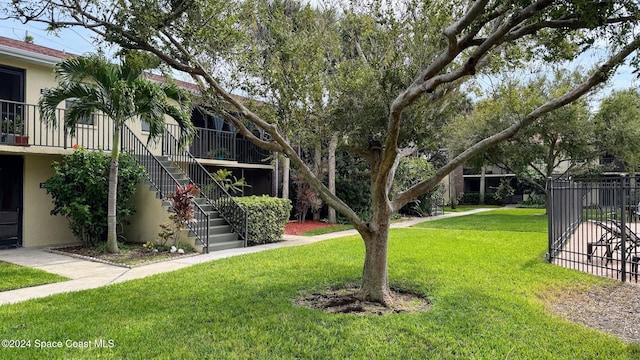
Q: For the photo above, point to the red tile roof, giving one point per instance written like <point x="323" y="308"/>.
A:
<point x="17" y="44"/>
<point x="182" y="84"/>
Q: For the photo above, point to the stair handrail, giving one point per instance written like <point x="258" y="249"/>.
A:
<point x="210" y="189"/>
<point x="161" y="178"/>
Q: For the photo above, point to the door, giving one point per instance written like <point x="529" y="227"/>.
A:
<point x="12" y="119"/>
<point x="11" y="170"/>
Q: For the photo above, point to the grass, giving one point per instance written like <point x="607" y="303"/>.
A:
<point x="487" y="289"/>
<point x="17" y="277"/>
<point x="522" y="220"/>
<point x="326" y="230"/>
<point x="461" y="208"/>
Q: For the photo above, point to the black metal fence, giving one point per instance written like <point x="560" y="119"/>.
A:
<point x="594" y="226"/>
<point x="223" y="145"/>
<point x="20" y="125"/>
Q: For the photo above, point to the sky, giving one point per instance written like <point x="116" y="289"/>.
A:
<point x="76" y="41"/>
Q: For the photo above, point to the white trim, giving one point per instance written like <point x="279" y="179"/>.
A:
<point x="30" y="56"/>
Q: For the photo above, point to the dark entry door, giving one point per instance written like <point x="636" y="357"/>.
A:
<point x="11" y="168"/>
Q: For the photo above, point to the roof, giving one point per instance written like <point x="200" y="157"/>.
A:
<point x="183" y="84"/>
<point x="41" y="54"/>
<point x="32" y="52"/>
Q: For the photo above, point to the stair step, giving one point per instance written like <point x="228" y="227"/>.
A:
<point x="221" y="235"/>
<point x="219" y="229"/>
<point x="216" y="221"/>
<point x="217" y="238"/>
<point x="226" y="245"/>
<point x="209" y="209"/>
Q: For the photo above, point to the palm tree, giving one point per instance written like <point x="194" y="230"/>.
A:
<point x="123" y="94"/>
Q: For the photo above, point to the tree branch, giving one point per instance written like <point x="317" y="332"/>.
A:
<point x="601" y="75"/>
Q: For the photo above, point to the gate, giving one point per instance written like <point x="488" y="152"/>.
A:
<point x="594" y="226"/>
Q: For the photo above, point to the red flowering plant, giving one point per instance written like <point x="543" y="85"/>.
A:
<point x="181" y="206"/>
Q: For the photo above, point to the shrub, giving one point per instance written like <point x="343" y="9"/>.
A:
<point x="181" y="208"/>
<point x="493" y="199"/>
<point x="535" y="201"/>
<point x="80" y="187"/>
<point x="306" y="198"/>
<point x="470" y="199"/>
<point x="266" y="217"/>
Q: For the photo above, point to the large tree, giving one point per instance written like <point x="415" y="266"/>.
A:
<point x="120" y="92"/>
<point x="618" y="126"/>
<point x="421" y="51"/>
<point x="559" y="141"/>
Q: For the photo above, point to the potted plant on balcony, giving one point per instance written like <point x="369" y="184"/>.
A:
<point x="12" y="132"/>
<point x="218" y="153"/>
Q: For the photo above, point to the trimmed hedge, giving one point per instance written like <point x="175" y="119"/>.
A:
<point x="474" y="199"/>
<point x="470" y="199"/>
<point x="266" y="217"/>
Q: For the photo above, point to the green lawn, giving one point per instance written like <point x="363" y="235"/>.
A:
<point x="527" y="220"/>
<point x="461" y="208"/>
<point x="16" y="277"/>
<point x="326" y="230"/>
<point x="486" y="289"/>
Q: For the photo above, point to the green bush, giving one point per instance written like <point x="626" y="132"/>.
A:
<point x="490" y="199"/>
<point x="534" y="201"/>
<point x="266" y="217"/>
<point x="470" y="199"/>
<point x="80" y="188"/>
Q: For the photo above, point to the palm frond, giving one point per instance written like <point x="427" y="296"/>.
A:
<point x="118" y="91"/>
<point x="51" y="100"/>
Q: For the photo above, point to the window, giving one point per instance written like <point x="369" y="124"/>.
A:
<point x="145" y="125"/>
<point x="84" y="120"/>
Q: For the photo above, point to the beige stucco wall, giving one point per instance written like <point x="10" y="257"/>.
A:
<point x="40" y="228"/>
<point x="36" y="77"/>
<point x="145" y="223"/>
<point x="99" y="135"/>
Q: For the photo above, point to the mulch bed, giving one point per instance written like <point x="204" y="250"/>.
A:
<point x="296" y="228"/>
<point x="131" y="256"/>
<point x="613" y="309"/>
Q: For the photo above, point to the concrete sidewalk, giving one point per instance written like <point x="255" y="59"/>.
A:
<point x="85" y="274"/>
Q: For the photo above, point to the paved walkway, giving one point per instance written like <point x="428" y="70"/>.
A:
<point x="84" y="274"/>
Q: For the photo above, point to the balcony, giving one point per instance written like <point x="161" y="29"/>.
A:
<point x="20" y="125"/>
<point x="224" y="146"/>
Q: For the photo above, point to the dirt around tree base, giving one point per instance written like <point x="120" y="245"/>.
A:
<point x="343" y="300"/>
<point x="614" y="309"/>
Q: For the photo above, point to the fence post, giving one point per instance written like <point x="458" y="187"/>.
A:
<point x="549" y="206"/>
<point x="623" y="228"/>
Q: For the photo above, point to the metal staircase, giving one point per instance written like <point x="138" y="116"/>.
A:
<point x="210" y="231"/>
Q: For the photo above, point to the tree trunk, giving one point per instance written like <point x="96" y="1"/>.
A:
<point x="286" y="166"/>
<point x="275" y="176"/>
<point x="317" y="169"/>
<point x="333" y="144"/>
<point x="112" y="238"/>
<point x="483" y="184"/>
<point x="375" y="280"/>
<point x="547" y="202"/>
